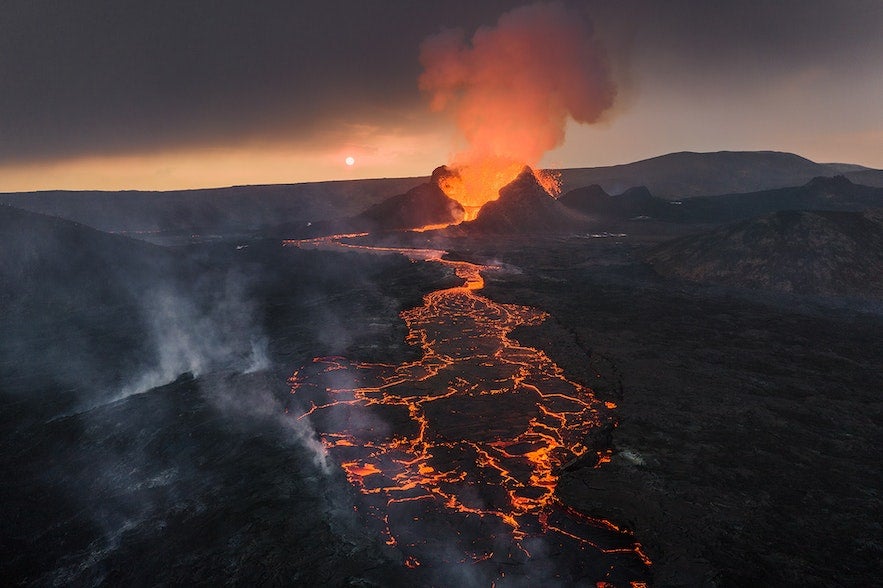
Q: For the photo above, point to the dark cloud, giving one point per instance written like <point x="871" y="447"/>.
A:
<point x="104" y="76"/>
<point x="748" y="37"/>
<point x="111" y="76"/>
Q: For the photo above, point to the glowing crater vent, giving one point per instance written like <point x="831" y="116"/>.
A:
<point x="478" y="183"/>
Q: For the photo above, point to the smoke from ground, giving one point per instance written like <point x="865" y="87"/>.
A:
<point x="512" y="87"/>
<point x="203" y="330"/>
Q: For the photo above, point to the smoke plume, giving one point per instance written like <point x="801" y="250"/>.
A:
<point x="511" y="88"/>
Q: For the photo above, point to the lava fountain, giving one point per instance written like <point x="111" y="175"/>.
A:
<point x="456" y="455"/>
<point x="480" y="182"/>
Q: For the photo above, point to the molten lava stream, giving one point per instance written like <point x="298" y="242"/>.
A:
<point x="456" y="455"/>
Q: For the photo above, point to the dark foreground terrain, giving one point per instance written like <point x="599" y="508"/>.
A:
<point x="158" y="420"/>
<point x="143" y="433"/>
<point x="748" y="447"/>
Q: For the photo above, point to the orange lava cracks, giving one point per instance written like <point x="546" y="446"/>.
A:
<point x="457" y="454"/>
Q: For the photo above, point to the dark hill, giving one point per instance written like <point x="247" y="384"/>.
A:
<point x="585" y="197"/>
<point x="634" y="202"/>
<point x="424" y="205"/>
<point x="524" y="206"/>
<point x="867" y="177"/>
<point x="687" y="174"/>
<point x="821" y="193"/>
<point x="84" y="263"/>
<point x="420" y="206"/>
<point x="71" y="300"/>
<point x="821" y="253"/>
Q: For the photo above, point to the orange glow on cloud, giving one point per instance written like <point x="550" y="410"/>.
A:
<point x="511" y="90"/>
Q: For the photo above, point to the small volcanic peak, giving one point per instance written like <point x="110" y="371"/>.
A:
<point x="826" y="188"/>
<point x="524" y="206"/>
<point x="637" y="194"/>
<point x="524" y="186"/>
<point x="426" y="204"/>
<point x="634" y="202"/>
<point x="830" y="182"/>
<point x="423" y="206"/>
<point x="585" y="198"/>
<point x="824" y="253"/>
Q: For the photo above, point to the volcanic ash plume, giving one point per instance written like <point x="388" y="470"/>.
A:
<point x="511" y="89"/>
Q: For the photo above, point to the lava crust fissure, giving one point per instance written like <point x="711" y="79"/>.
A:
<point x="456" y="455"/>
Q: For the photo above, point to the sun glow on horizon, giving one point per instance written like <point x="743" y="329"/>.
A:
<point x="385" y="156"/>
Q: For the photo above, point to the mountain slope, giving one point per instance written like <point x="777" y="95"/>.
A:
<point x="48" y="251"/>
<point x="634" y="202"/>
<point x="524" y="206"/>
<point x="821" y="193"/>
<point x="818" y="253"/>
<point x="426" y="204"/>
<point x="867" y="177"/>
<point x="71" y="301"/>
<point x="233" y="209"/>
<point x="687" y="174"/>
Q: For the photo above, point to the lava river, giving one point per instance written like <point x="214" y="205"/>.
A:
<point x="456" y="455"/>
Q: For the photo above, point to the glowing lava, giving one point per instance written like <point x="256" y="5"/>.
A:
<point x="457" y="454"/>
<point x="478" y="182"/>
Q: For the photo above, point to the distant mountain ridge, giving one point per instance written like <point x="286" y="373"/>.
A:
<point x="237" y="208"/>
<point x="820" y="193"/>
<point x="250" y="209"/>
<point x="688" y="174"/>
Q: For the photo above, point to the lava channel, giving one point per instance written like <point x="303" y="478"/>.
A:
<point x="456" y="455"/>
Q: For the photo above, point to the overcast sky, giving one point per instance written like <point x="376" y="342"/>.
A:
<point x="187" y="93"/>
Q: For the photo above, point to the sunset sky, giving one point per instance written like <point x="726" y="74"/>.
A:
<point x="112" y="94"/>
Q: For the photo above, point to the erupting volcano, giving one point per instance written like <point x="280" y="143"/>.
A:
<point x="475" y="185"/>
<point x="510" y="91"/>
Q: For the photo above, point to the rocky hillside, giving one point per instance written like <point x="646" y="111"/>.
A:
<point x="822" y="253"/>
<point x="42" y="255"/>
<point x="423" y="205"/>
<point x="687" y="174"/>
<point x="524" y="206"/>
<point x="820" y="193"/>
<point x="633" y="203"/>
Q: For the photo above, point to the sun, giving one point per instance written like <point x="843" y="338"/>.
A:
<point x="350" y="160"/>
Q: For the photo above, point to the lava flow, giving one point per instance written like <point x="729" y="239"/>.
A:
<point x="456" y="455"/>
